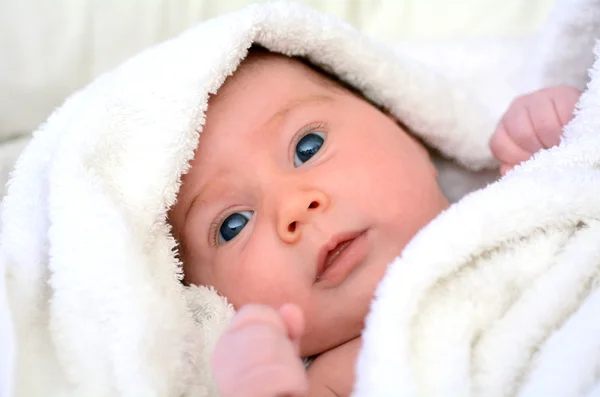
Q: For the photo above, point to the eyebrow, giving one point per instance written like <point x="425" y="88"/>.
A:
<point x="207" y="194"/>
<point x="295" y="104"/>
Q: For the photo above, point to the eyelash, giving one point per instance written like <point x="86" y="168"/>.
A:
<point x="214" y="228"/>
<point x="304" y="131"/>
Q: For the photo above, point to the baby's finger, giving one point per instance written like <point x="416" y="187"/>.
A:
<point x="255" y="356"/>
<point x="286" y="378"/>
<point x="504" y="168"/>
<point x="519" y="126"/>
<point x="278" y="378"/>
<point x="257" y="315"/>
<point x="294" y="321"/>
<point x="505" y="149"/>
<point x="546" y="122"/>
<point x="565" y="103"/>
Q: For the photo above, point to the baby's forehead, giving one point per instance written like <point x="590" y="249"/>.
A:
<point x="247" y="106"/>
<point x="265" y="88"/>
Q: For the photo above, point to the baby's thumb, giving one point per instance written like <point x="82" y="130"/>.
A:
<point x="293" y="319"/>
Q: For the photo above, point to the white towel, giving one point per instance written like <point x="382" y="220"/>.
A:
<point x="507" y="304"/>
<point x="93" y="284"/>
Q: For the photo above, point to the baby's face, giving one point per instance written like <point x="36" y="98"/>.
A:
<point x="300" y="192"/>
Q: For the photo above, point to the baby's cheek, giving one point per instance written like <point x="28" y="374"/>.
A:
<point x="195" y="268"/>
<point x="265" y="279"/>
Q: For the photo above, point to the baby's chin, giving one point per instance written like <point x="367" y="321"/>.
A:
<point x="338" y="316"/>
<point x="333" y="331"/>
<point x="312" y="347"/>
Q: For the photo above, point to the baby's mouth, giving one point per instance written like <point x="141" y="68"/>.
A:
<point x="339" y="256"/>
<point x="335" y="253"/>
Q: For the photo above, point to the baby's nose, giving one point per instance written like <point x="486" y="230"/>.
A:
<point x="296" y="212"/>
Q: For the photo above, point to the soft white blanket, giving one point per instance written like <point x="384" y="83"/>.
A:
<point x="507" y="303"/>
<point x="93" y="283"/>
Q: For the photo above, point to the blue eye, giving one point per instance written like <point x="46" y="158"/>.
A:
<point x="307" y="147"/>
<point x="233" y="225"/>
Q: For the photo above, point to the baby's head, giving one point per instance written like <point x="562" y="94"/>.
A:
<point x="303" y="192"/>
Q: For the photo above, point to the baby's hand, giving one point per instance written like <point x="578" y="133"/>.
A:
<point x="257" y="356"/>
<point x="533" y="122"/>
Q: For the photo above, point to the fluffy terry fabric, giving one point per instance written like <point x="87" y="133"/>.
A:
<point x="507" y="303"/>
<point x="93" y="283"/>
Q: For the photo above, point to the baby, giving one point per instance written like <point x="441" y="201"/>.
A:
<point x="300" y="194"/>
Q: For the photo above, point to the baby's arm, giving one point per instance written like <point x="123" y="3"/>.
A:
<point x="533" y="122"/>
